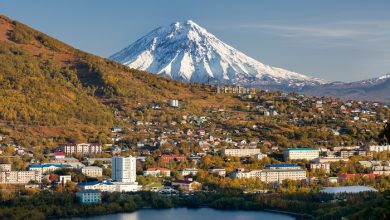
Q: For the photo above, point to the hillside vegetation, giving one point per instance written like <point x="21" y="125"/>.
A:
<point x="49" y="89"/>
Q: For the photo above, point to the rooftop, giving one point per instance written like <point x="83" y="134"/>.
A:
<point x="303" y="148"/>
<point x="348" y="189"/>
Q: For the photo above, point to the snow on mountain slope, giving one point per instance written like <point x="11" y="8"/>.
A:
<point x="375" y="89"/>
<point x="187" y="52"/>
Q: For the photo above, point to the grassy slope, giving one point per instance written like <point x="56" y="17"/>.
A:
<point x="49" y="89"/>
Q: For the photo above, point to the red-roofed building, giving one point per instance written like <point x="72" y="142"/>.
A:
<point x="59" y="155"/>
<point x="166" y="158"/>
<point x="201" y="132"/>
<point x="157" y="172"/>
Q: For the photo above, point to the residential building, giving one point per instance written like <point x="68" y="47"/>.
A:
<point x="59" y="155"/>
<point x="20" y="177"/>
<point x="81" y="148"/>
<point x="124" y="169"/>
<point x="157" y="172"/>
<point x="219" y="172"/>
<point x="187" y="185"/>
<point x="280" y="172"/>
<point x="239" y="173"/>
<point x="320" y="166"/>
<point x="103" y="186"/>
<point x="92" y="171"/>
<point x="5" y="167"/>
<point x="188" y="171"/>
<point x="240" y="152"/>
<point x="47" y="168"/>
<point x="89" y="196"/>
<point x="379" y="148"/>
<point x="301" y="153"/>
<point x="274" y="173"/>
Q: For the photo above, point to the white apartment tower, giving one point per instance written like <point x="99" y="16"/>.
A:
<point x="124" y="169"/>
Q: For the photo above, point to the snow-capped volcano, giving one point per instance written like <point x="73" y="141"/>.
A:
<point x="187" y="52"/>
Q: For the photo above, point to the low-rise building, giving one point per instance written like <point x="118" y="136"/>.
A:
<point x="46" y="168"/>
<point x="188" y="171"/>
<point x="92" y="171"/>
<point x="102" y="186"/>
<point x="187" y="185"/>
<point x="219" y="172"/>
<point x="20" y="177"/>
<point x="89" y="196"/>
<point x="157" y="172"/>
<point x="240" y="152"/>
<point x="301" y="153"/>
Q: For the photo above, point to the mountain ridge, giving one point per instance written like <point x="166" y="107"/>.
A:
<point x="187" y="52"/>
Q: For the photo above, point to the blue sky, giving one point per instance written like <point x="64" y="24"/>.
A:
<point x="335" y="40"/>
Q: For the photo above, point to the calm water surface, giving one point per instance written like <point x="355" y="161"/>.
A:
<point x="190" y="214"/>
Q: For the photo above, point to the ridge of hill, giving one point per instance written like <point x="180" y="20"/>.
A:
<point x="50" y="89"/>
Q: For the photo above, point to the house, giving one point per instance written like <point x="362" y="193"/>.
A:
<point x="188" y="171"/>
<point x="201" y="132"/>
<point x="59" y="155"/>
<point x="116" y="129"/>
<point x="89" y="196"/>
<point x="187" y="185"/>
<point x="157" y="172"/>
<point x="219" y="172"/>
<point x="92" y="171"/>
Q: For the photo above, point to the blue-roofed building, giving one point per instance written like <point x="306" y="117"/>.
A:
<point x="348" y="189"/>
<point x="301" y="153"/>
<point x="103" y="186"/>
<point x="46" y="168"/>
<point x="283" y="166"/>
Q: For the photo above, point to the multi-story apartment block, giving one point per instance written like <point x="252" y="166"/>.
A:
<point x="19" y="177"/>
<point x="274" y="173"/>
<point x="124" y="169"/>
<point x="320" y="166"/>
<point x="92" y="171"/>
<point x="379" y="148"/>
<point x="81" y="148"/>
<point x="89" y="196"/>
<point x="240" y="152"/>
<point x="301" y="153"/>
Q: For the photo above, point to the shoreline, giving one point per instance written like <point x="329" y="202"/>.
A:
<point x="286" y="213"/>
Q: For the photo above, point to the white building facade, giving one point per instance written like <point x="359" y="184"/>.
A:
<point x="301" y="153"/>
<point x="124" y="169"/>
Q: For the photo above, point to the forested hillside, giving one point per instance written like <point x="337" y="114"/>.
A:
<point x="51" y="90"/>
